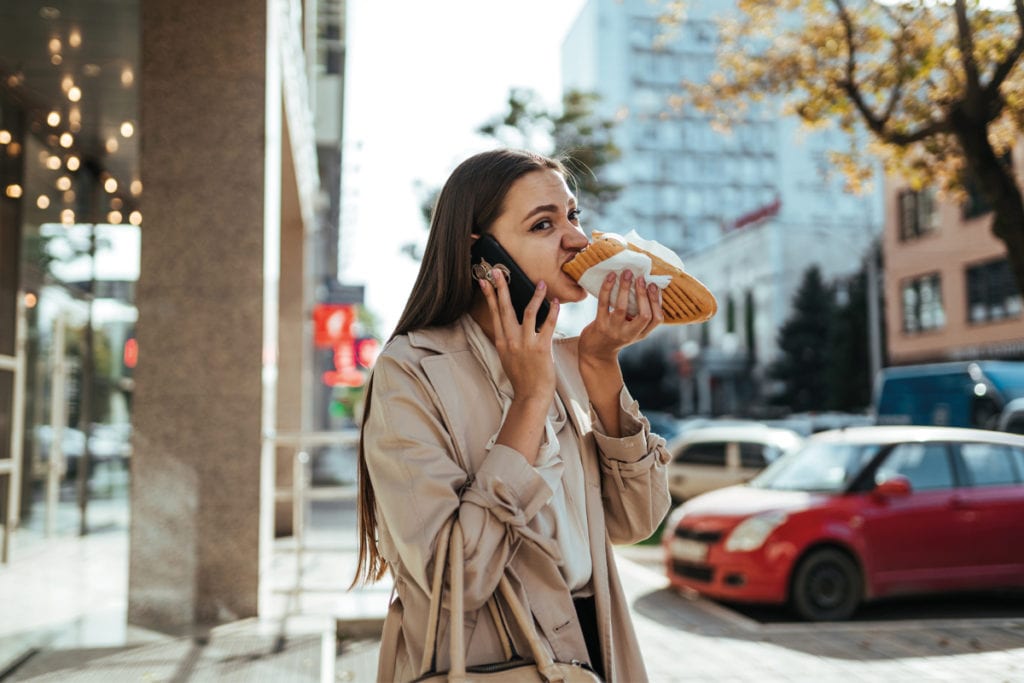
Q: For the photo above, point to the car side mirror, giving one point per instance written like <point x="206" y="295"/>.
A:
<point x="895" y="487"/>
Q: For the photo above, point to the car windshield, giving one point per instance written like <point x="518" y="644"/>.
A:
<point x="828" y="467"/>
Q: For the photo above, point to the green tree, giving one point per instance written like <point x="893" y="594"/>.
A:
<point x="803" y="363"/>
<point x="936" y="84"/>
<point x="575" y="133"/>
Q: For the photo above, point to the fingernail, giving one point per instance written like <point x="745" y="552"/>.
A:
<point x="627" y="276"/>
<point x="652" y="288"/>
<point x="541" y="285"/>
<point x="610" y="277"/>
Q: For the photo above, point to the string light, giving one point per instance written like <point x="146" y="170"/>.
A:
<point x="73" y="163"/>
<point x="110" y="185"/>
<point x="54" y="45"/>
<point x="13" y="191"/>
<point x="53" y="118"/>
<point x="112" y="145"/>
<point x="114" y="217"/>
<point x="66" y="140"/>
<point x="53" y="162"/>
<point x="136" y="188"/>
<point x="75" y="93"/>
<point x="127" y="77"/>
<point x="75" y="37"/>
<point x="30" y="300"/>
<point x="69" y="197"/>
<point x="63" y="183"/>
<point x="5" y="137"/>
<point x="43" y="202"/>
<point x="127" y="129"/>
<point x="116" y="203"/>
<point x="67" y="217"/>
<point x="135" y="218"/>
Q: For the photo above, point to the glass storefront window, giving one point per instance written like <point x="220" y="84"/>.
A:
<point x="69" y="135"/>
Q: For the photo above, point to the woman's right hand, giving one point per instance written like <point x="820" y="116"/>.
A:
<point x="528" y="360"/>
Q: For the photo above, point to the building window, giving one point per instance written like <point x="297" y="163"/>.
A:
<point x="922" y="304"/>
<point x="992" y="292"/>
<point x="918" y="213"/>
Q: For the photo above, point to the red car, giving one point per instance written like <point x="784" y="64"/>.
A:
<point x="858" y="514"/>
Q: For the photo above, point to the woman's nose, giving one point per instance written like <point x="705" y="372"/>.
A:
<point x="574" y="239"/>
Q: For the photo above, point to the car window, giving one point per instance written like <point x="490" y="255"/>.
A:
<point x="988" y="464"/>
<point x="707" y="453"/>
<point x="818" y="466"/>
<point x="754" y="454"/>
<point x="926" y="466"/>
<point x="1018" y="457"/>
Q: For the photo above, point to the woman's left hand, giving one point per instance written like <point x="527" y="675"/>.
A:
<point x="612" y="329"/>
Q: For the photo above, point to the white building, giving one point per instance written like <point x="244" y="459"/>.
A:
<point x="748" y="210"/>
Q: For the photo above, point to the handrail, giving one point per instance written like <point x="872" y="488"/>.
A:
<point x="301" y="492"/>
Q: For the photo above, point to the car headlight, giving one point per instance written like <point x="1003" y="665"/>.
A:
<point x="752" y="532"/>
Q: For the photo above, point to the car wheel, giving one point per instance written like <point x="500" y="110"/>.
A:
<point x="827" y="586"/>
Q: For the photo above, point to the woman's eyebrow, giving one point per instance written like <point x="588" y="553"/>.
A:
<point x="540" y="209"/>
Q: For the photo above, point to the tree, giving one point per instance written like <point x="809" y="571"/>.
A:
<point x="575" y="133"/>
<point x="936" y="84"/>
<point x="802" y="366"/>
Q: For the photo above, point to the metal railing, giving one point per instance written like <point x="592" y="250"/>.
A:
<point x="12" y="464"/>
<point x="302" y="492"/>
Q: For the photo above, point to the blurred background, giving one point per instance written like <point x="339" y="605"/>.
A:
<point x="211" y="216"/>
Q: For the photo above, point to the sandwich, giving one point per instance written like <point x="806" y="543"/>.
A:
<point x="684" y="298"/>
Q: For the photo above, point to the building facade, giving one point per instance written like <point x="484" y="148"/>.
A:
<point x="185" y="142"/>
<point x="951" y="293"/>
<point x="749" y="210"/>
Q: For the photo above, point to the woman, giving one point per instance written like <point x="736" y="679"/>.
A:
<point x="531" y="440"/>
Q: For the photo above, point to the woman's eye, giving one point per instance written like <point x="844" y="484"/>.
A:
<point x="574" y="215"/>
<point x="542" y="225"/>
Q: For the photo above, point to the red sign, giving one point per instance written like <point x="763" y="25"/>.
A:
<point x="332" y="324"/>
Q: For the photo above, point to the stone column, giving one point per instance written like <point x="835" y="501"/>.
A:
<point x="195" y="501"/>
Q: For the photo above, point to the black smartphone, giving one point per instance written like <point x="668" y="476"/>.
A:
<point x="487" y="253"/>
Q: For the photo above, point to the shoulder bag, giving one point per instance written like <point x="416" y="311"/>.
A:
<point x="515" y="669"/>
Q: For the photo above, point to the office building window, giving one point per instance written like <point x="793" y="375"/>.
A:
<point x="918" y="213"/>
<point x="992" y="292"/>
<point x="922" y="304"/>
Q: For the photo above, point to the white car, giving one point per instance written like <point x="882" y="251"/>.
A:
<point x="707" y="458"/>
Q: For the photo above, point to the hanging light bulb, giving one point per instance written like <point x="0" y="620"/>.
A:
<point x="53" y="118"/>
<point x="114" y="217"/>
<point x="13" y="191"/>
<point x="43" y="202"/>
<point x="127" y="129"/>
<point x="75" y="37"/>
<point x="63" y="183"/>
<point x="135" y="218"/>
<point x="110" y="185"/>
<point x="73" y="163"/>
<point x="67" y="217"/>
<point x="53" y="162"/>
<point x="75" y="93"/>
<point x="66" y="140"/>
<point x="5" y="137"/>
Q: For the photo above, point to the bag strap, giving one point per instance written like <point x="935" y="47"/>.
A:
<point x="450" y="548"/>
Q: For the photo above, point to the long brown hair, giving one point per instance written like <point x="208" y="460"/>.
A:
<point x="470" y="201"/>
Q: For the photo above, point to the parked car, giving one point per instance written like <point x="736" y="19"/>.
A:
<point x="706" y="458"/>
<point x="859" y="514"/>
<point x="956" y="394"/>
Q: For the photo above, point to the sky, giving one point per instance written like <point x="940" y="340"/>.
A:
<point x="420" y="78"/>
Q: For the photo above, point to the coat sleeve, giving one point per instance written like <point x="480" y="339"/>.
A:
<point x="419" y="485"/>
<point x="634" y="476"/>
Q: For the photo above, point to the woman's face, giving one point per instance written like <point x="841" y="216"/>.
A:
<point x="540" y="228"/>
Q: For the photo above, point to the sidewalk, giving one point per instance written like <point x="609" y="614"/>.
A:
<point x="63" y="603"/>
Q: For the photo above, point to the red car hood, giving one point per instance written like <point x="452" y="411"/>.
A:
<point x="742" y="501"/>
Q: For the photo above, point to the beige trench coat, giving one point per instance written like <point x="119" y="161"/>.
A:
<point x="431" y="414"/>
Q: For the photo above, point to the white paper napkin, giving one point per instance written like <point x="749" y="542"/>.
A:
<point x="639" y="264"/>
